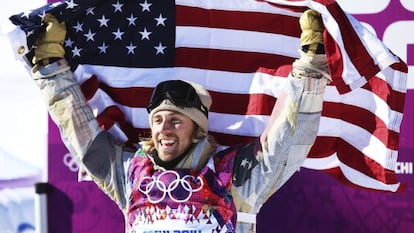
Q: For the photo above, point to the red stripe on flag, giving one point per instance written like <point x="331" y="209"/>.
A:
<point x="243" y="104"/>
<point x="286" y="7"/>
<point x="335" y="62"/>
<point x="382" y="89"/>
<point x="113" y="115"/>
<point x="364" y="119"/>
<point x="225" y="60"/>
<point x="400" y="66"/>
<point x="362" y="163"/>
<point x="355" y="49"/>
<point x="324" y="146"/>
<point x="239" y="20"/>
<point x="138" y="97"/>
<point x="227" y="139"/>
<point x="338" y="175"/>
<point x="110" y="116"/>
<point x="89" y="87"/>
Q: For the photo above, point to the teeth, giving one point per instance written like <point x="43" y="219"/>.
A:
<point x="167" y="142"/>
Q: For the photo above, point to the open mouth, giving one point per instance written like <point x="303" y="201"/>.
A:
<point x="167" y="142"/>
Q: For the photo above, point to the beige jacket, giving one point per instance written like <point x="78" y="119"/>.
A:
<point x="260" y="167"/>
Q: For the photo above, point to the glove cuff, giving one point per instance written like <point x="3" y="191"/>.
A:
<point x="48" y="50"/>
<point x="311" y="37"/>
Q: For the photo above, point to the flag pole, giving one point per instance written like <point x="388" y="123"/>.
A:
<point x="41" y="190"/>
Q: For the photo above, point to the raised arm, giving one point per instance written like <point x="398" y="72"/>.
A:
<point x="99" y="154"/>
<point x="265" y="165"/>
<point x="66" y="103"/>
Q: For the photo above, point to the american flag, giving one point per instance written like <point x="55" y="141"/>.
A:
<point x="241" y="51"/>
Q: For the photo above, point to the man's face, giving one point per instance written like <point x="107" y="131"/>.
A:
<point x="172" y="134"/>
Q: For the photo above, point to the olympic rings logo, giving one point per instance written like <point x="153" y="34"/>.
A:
<point x="70" y="161"/>
<point x="157" y="188"/>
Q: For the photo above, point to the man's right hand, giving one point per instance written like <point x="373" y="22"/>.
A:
<point x="50" y="43"/>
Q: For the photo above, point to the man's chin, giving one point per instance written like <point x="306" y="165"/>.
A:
<point x="166" y="156"/>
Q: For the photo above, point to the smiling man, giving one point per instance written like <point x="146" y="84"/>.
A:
<point x="178" y="116"/>
<point x="180" y="180"/>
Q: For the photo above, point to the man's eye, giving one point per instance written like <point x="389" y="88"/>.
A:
<point x="156" y="121"/>
<point x="176" y="121"/>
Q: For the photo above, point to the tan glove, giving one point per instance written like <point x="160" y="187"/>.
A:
<point x="50" y="44"/>
<point x="312" y="62"/>
<point x="312" y="30"/>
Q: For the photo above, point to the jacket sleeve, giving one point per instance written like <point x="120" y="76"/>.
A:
<point x="102" y="157"/>
<point x="263" y="166"/>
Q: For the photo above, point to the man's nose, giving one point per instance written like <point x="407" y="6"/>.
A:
<point x="165" y="126"/>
